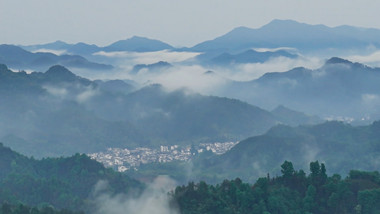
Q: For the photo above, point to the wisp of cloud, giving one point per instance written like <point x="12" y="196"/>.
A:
<point x="155" y="199"/>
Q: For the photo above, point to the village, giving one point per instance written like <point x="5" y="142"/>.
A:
<point x="123" y="159"/>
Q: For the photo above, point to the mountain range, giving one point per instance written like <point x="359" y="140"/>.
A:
<point x="19" y="58"/>
<point x="279" y="38"/>
<point x="338" y="88"/>
<point x="155" y="67"/>
<point x="341" y="146"/>
<point x="276" y="34"/>
<point x="289" y="33"/>
<point x="225" y="59"/>
<point x="301" y="115"/>
<point x="133" y="44"/>
<point x="60" y="113"/>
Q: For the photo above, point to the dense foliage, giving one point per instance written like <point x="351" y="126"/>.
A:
<point x="60" y="182"/>
<point x="292" y="192"/>
<point x="23" y="209"/>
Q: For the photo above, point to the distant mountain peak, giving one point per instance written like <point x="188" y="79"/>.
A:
<point x="59" y="42"/>
<point x="154" y="89"/>
<point x="337" y="60"/>
<point x="288" y="24"/>
<point x="275" y="23"/>
<point x="340" y="61"/>
<point x="60" y="72"/>
<point x="290" y="33"/>
<point x="11" y="49"/>
<point x="54" y="45"/>
<point x="137" y="43"/>
<point x="158" y="66"/>
<point x="241" y="29"/>
<point x="138" y="38"/>
<point x="282" y="21"/>
<point x="58" y="69"/>
<point x="161" y="63"/>
<point x="209" y="72"/>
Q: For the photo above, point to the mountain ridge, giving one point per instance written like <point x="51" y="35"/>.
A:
<point x="339" y="145"/>
<point x="56" y="112"/>
<point x="277" y="33"/>
<point x="19" y="58"/>
<point x="339" y="88"/>
<point x="135" y="43"/>
<point x="289" y="33"/>
<point x="138" y="44"/>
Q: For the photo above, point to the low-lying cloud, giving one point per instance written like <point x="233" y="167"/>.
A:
<point x="370" y="102"/>
<point x="194" y="78"/>
<point x="60" y="92"/>
<point x="251" y="71"/>
<point x="372" y="59"/>
<point x="151" y="57"/>
<point x="75" y="92"/>
<point x="186" y="73"/>
<point x="155" y="199"/>
<point x="87" y="94"/>
<point x="56" y="52"/>
<point x="289" y="49"/>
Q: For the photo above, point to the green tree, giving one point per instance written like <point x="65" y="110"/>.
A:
<point x="6" y="208"/>
<point x="369" y="201"/>
<point x="309" y="201"/>
<point x="287" y="170"/>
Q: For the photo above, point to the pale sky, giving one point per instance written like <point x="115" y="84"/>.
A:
<point x="177" y="22"/>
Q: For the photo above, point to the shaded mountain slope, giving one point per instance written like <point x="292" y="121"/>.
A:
<point x="341" y="146"/>
<point x="155" y="67"/>
<point x="288" y="33"/>
<point x="59" y="113"/>
<point x="19" y="58"/>
<point x="339" y="88"/>
<point x="177" y="116"/>
<point x="137" y="44"/>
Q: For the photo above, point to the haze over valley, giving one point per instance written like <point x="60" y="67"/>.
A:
<point x="281" y="116"/>
<point x="142" y="92"/>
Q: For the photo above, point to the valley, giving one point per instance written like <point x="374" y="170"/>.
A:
<point x="256" y="115"/>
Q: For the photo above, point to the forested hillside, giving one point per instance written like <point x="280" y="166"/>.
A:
<point x="7" y="208"/>
<point x="292" y="192"/>
<point x="58" y="185"/>
<point x="59" y="182"/>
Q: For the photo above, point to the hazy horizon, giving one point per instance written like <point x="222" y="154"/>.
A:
<point x="181" y="24"/>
